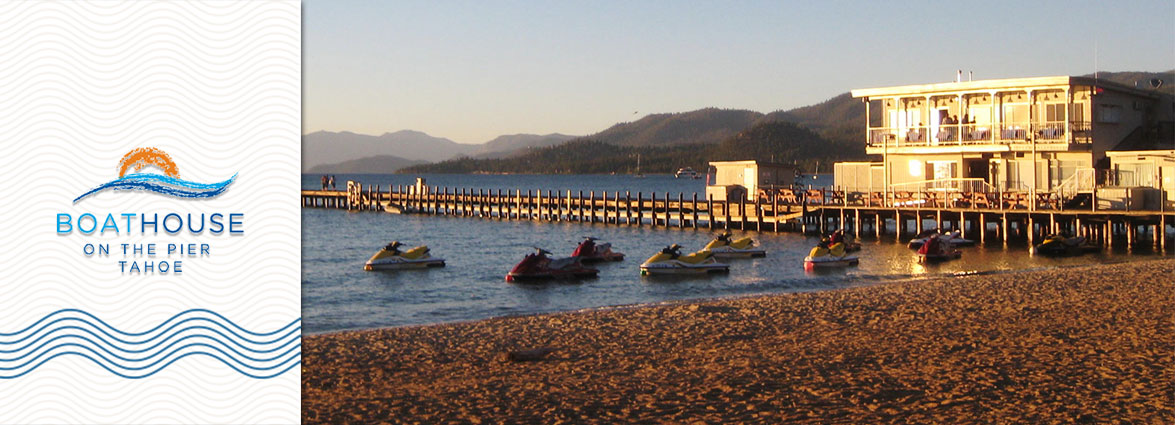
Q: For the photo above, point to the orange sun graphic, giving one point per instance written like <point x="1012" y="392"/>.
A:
<point x="139" y="158"/>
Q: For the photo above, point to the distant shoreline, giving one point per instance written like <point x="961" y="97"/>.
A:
<point x="1086" y="343"/>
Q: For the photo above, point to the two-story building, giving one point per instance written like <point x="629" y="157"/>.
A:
<point x="1024" y="134"/>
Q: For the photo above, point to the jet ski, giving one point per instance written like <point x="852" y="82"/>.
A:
<point x="1063" y="245"/>
<point x="849" y="241"/>
<point x="589" y="251"/>
<point x="391" y="258"/>
<point x="540" y="266"/>
<point x="919" y="240"/>
<point x="670" y="261"/>
<point x="826" y="255"/>
<point x="724" y="247"/>
<point x="938" y="248"/>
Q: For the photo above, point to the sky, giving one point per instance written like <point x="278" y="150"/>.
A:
<point x="473" y="70"/>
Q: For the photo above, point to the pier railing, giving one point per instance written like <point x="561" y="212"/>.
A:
<point x="639" y="208"/>
<point x="773" y="206"/>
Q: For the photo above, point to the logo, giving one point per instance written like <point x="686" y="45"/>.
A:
<point x="169" y="183"/>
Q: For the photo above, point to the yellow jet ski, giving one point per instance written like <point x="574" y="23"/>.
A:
<point x="670" y="261"/>
<point x="724" y="247"/>
<point x="391" y="258"/>
<point x="829" y="256"/>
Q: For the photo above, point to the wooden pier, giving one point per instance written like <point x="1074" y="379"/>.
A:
<point x="628" y="208"/>
<point x="776" y="210"/>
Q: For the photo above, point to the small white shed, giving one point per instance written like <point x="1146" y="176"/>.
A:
<point x="727" y="180"/>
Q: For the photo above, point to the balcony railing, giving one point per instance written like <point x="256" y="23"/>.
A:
<point x="980" y="134"/>
<point x="945" y="185"/>
<point x="975" y="134"/>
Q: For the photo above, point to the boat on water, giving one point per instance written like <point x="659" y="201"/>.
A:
<point x="589" y="251"/>
<point x="724" y="246"/>
<point x="686" y="172"/>
<point x="393" y="208"/>
<point x="1058" y="245"/>
<point x="955" y="238"/>
<point x="391" y="258"/>
<point x="539" y="266"/>
<point x="825" y="256"/>
<point x="938" y="248"/>
<point x="671" y="261"/>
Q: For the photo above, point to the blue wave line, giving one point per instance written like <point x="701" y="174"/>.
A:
<point x="165" y="322"/>
<point x="161" y="356"/>
<point x="158" y="340"/>
<point x="161" y="184"/>
<point x="150" y="339"/>
<point x="34" y="346"/>
<point x="287" y="369"/>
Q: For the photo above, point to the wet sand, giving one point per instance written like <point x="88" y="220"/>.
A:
<point x="1090" y="344"/>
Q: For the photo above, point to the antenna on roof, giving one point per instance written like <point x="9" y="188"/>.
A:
<point x="970" y="75"/>
<point x="959" y="76"/>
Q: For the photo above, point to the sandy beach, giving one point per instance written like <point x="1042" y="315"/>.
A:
<point x="1089" y="344"/>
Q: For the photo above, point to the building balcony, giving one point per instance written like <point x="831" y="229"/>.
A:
<point x="980" y="137"/>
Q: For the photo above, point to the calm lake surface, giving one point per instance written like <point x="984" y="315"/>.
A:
<point x="337" y="294"/>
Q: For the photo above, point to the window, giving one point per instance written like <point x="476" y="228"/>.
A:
<point x="1014" y="113"/>
<point x="944" y="169"/>
<point x="1054" y="112"/>
<point x="1078" y="112"/>
<point x="1109" y="113"/>
<point x="1144" y="174"/>
<point x="1063" y="170"/>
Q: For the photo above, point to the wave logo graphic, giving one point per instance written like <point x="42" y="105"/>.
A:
<point x="169" y="183"/>
<point x="131" y="355"/>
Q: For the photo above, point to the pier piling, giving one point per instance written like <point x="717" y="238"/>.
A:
<point x="823" y="209"/>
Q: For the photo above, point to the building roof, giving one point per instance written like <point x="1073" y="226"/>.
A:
<point x="751" y="162"/>
<point x="1000" y="84"/>
<point x="1160" y="153"/>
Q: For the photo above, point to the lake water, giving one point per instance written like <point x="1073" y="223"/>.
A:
<point x="337" y="294"/>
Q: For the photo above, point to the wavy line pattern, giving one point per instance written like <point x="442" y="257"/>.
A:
<point x="216" y="85"/>
<point x="161" y="184"/>
<point x="136" y="355"/>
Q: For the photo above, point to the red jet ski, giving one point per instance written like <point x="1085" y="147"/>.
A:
<point x="589" y="251"/>
<point x="539" y="266"/>
<point x="938" y="248"/>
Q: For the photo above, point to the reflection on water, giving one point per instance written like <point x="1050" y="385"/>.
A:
<point x="338" y="294"/>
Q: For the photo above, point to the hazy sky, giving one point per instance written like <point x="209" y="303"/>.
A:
<point x="471" y="71"/>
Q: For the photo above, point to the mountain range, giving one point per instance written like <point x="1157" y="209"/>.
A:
<point x="833" y="130"/>
<point x="332" y="152"/>
<point x="777" y="141"/>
